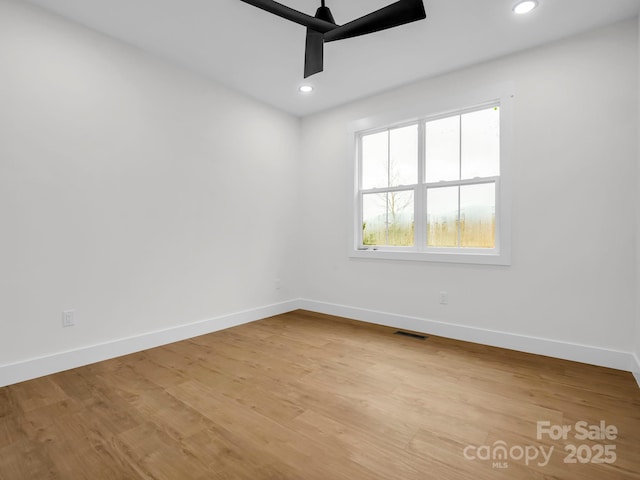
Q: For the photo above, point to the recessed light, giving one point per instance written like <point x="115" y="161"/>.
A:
<point x="524" y="7"/>
<point x="305" y="89"/>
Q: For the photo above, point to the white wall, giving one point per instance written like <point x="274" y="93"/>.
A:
<point x="139" y="194"/>
<point x="572" y="277"/>
<point x="147" y="198"/>
<point x="636" y="366"/>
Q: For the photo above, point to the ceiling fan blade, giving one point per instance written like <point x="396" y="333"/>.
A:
<point x="398" y="13"/>
<point x="283" y="11"/>
<point x="314" y="53"/>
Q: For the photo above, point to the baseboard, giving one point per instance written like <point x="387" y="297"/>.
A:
<point x="541" y="346"/>
<point x="635" y="368"/>
<point x="46" y="365"/>
<point x="38" y="367"/>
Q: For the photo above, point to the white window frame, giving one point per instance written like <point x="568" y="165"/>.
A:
<point x="502" y="96"/>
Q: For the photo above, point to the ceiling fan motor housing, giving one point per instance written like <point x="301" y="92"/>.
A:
<point x="323" y="13"/>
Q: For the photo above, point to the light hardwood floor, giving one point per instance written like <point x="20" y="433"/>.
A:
<point x="307" y="396"/>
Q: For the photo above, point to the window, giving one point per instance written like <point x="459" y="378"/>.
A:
<point x="434" y="188"/>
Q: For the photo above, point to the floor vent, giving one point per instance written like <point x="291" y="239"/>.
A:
<point x="412" y="335"/>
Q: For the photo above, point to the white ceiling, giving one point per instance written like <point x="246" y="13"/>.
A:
<point x="262" y="55"/>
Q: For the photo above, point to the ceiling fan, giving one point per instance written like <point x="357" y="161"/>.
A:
<point x="323" y="28"/>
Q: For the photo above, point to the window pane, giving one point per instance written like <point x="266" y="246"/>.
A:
<point x="403" y="159"/>
<point x="442" y="217"/>
<point x="374" y="219"/>
<point x="375" y="160"/>
<point x="481" y="143"/>
<point x="478" y="215"/>
<point x="400" y="218"/>
<point x="387" y="218"/>
<point x="443" y="149"/>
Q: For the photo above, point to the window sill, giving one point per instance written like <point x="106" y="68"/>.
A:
<point x="439" y="257"/>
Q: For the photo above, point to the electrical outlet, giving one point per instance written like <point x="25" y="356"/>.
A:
<point x="444" y="298"/>
<point x="68" y="318"/>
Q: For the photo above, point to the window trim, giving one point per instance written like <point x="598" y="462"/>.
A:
<point x="498" y="95"/>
